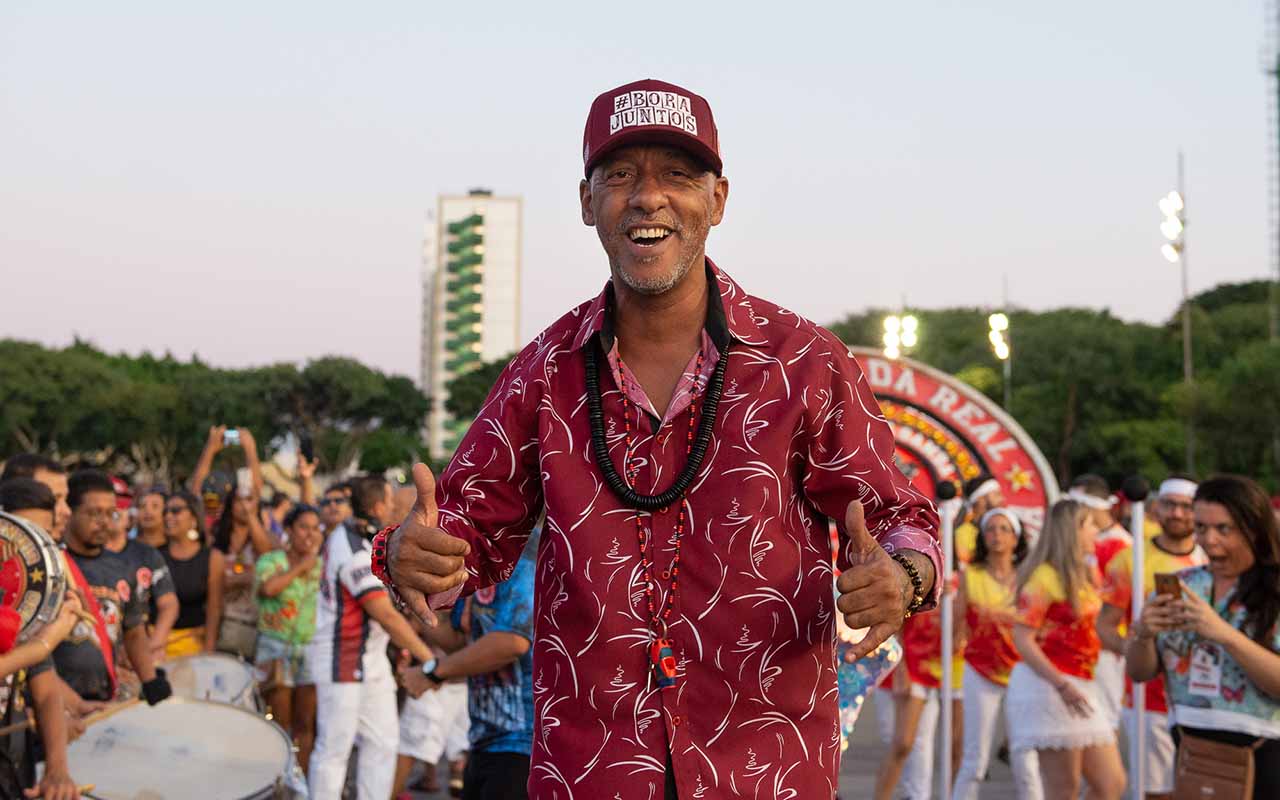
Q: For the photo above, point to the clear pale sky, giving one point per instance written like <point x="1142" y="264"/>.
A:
<point x="249" y="181"/>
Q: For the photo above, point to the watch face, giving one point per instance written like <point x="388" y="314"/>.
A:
<point x="428" y="667"/>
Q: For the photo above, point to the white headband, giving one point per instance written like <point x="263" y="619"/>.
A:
<point x="1002" y="512"/>
<point x="1180" y="486"/>
<point x="1089" y="501"/>
<point x="982" y="491"/>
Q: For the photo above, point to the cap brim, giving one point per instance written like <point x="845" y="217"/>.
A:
<point x="658" y="134"/>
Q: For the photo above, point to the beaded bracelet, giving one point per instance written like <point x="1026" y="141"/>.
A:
<point x="917" y="584"/>
<point x="378" y="560"/>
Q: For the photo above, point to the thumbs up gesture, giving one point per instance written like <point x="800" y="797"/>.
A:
<point x="423" y="559"/>
<point x="875" y="590"/>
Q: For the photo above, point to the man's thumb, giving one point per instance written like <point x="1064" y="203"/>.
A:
<point x="425" y="483"/>
<point x="855" y="526"/>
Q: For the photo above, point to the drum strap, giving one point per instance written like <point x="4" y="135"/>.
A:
<point x="91" y="603"/>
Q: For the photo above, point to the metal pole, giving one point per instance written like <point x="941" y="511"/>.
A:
<point x="947" y="510"/>
<point x="1186" y="335"/>
<point x="1008" y="379"/>
<point x="1138" y="732"/>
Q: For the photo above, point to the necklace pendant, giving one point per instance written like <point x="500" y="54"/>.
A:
<point x="664" y="662"/>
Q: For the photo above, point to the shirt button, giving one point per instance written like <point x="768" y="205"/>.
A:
<point x="676" y="720"/>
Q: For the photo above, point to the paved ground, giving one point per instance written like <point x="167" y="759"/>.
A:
<point x="858" y="770"/>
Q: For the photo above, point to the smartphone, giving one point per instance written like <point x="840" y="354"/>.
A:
<point x="1167" y="583"/>
<point x="231" y="436"/>
<point x="307" y="447"/>
<point x="244" y="482"/>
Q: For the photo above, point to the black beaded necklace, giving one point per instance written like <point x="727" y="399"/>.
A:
<point x="698" y="451"/>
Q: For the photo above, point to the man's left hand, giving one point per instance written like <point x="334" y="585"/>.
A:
<point x="415" y="681"/>
<point x="56" y="784"/>
<point x="875" y="590"/>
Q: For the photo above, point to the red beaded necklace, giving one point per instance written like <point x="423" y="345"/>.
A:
<point x="661" y="651"/>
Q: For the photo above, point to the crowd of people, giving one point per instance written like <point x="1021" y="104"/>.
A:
<point x="1042" y="626"/>
<point x="226" y="564"/>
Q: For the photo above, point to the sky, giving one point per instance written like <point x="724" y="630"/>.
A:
<point x="250" y="181"/>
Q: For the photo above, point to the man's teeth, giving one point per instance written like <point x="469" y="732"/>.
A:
<point x="648" y="233"/>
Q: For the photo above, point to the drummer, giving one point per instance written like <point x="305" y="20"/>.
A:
<point x="86" y="660"/>
<point x="27" y="676"/>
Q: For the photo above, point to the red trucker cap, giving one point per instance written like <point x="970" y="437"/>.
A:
<point x="651" y="111"/>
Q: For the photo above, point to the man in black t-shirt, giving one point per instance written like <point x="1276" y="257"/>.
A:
<point x="84" y="661"/>
<point x="151" y="581"/>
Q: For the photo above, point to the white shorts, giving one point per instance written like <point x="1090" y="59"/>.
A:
<point x="435" y="724"/>
<point x="1160" y="753"/>
<point x="1037" y="718"/>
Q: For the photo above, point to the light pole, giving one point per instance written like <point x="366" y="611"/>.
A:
<point x="1000" y="338"/>
<point x="1174" y="227"/>
<point x="901" y="333"/>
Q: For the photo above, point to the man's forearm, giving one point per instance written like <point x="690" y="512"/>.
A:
<point x="490" y="652"/>
<point x="138" y="646"/>
<point x="51" y="718"/>
<point x="166" y="614"/>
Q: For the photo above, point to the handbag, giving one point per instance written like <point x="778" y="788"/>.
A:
<point x="1209" y="770"/>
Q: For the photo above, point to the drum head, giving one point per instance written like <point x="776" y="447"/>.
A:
<point x="32" y="577"/>
<point x="212" y="676"/>
<point x="181" y="749"/>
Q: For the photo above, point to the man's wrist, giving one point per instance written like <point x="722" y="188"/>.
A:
<point x="917" y="578"/>
<point x="379" y="562"/>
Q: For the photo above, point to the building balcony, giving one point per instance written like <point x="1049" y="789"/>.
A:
<point x="463" y="281"/>
<point x="459" y="227"/>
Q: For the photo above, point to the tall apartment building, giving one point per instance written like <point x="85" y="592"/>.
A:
<point x="470" y="298"/>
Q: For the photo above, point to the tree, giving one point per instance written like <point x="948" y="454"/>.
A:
<point x="468" y="391"/>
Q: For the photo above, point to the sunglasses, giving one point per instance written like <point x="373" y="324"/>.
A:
<point x="332" y="501"/>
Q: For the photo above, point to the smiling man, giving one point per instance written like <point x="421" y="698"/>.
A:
<point x="687" y="443"/>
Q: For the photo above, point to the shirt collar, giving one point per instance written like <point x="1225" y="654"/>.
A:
<point x="730" y="316"/>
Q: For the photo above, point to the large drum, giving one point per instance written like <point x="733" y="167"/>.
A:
<point x="182" y="749"/>
<point x="33" y="576"/>
<point x="214" y="676"/>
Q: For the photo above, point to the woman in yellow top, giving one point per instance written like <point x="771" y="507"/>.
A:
<point x="984" y="617"/>
<point x="1053" y="705"/>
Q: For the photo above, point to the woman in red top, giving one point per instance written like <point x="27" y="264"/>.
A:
<point x="1053" y="705"/>
<point x="985" y="613"/>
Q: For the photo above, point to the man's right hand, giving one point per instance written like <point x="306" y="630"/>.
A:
<point x="423" y="559"/>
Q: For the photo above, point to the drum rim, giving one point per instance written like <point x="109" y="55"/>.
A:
<point x="284" y="736"/>
<point x="56" y="570"/>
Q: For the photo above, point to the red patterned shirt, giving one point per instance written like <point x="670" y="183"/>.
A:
<point x="797" y="437"/>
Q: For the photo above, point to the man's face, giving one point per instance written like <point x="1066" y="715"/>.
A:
<point x="61" y="512"/>
<point x="334" y="509"/>
<point x="1174" y="513"/>
<point x="151" y="512"/>
<point x="652" y="207"/>
<point x="37" y="516"/>
<point x="93" y="520"/>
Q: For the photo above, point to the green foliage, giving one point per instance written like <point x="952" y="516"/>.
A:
<point x="468" y="392"/>
<point x="1099" y="394"/>
<point x="150" y="414"/>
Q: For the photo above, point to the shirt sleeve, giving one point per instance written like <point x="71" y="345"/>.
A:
<point x="490" y="495"/>
<point x="357" y="576"/>
<point x="1033" y="601"/>
<point x="161" y="578"/>
<point x="1117" y="583"/>
<point x="133" y="610"/>
<point x="268" y="567"/>
<point x="850" y="457"/>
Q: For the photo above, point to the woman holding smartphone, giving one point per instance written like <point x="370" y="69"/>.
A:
<point x="1052" y="705"/>
<point x="1217" y="638"/>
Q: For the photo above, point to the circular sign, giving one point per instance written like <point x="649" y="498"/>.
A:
<point x="32" y="575"/>
<point x="946" y="430"/>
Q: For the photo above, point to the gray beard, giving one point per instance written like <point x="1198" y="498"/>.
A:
<point x="657" y="285"/>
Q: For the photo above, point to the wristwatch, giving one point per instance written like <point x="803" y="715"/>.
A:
<point x="429" y="669"/>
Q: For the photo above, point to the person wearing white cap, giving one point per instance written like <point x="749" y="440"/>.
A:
<point x="1173" y="550"/>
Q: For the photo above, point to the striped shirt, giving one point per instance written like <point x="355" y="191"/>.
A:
<point x="348" y="645"/>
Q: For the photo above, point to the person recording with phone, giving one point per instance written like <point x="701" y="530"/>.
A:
<point x="1217" y="641"/>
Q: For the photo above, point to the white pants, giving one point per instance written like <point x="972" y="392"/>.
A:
<point x="1109" y="675"/>
<point x="1159" y="750"/>
<point x="436" y="724"/>
<point x="916" y="782"/>
<point x="981" y="712"/>
<point x="343" y="712"/>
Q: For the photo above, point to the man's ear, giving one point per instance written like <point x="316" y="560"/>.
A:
<point x="584" y="196"/>
<point x="721" y="198"/>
